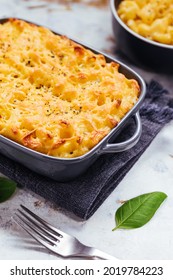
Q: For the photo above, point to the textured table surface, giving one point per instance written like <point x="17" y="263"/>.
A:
<point x="90" y="23"/>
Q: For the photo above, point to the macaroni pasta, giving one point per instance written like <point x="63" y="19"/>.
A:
<point x="152" y="19"/>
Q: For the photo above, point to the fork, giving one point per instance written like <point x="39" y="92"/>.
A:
<point x="53" y="239"/>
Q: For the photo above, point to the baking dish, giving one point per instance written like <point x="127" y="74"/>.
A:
<point x="65" y="169"/>
<point x="149" y="53"/>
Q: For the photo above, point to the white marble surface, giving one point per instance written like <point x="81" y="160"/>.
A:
<point x="152" y="172"/>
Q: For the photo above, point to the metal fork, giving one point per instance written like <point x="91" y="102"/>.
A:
<point x="55" y="240"/>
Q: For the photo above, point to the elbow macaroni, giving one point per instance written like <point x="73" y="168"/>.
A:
<point x="152" y="19"/>
<point x="57" y="97"/>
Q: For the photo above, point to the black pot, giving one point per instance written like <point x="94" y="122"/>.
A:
<point x="139" y="49"/>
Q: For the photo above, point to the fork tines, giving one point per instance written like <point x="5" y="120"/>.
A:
<point x="37" y="227"/>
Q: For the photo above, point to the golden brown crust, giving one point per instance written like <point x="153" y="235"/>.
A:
<point x="56" y="96"/>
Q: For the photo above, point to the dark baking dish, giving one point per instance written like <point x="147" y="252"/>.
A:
<point x="154" y="55"/>
<point x="62" y="169"/>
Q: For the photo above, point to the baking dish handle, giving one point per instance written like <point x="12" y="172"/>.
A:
<point x="127" y="144"/>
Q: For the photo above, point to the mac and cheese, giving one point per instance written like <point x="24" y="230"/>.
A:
<point x="152" y="19"/>
<point x="57" y="97"/>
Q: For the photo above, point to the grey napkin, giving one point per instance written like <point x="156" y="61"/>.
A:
<point x="85" y="194"/>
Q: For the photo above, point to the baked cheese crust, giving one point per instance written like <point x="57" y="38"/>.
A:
<point x="57" y="97"/>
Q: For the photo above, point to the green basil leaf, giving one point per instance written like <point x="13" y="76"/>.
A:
<point x="7" y="188"/>
<point x="137" y="211"/>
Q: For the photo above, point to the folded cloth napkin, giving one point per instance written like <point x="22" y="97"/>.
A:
<point x="85" y="194"/>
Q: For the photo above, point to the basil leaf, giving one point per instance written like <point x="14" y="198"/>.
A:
<point x="7" y="188"/>
<point x="137" y="211"/>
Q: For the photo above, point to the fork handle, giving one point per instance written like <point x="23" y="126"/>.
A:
<point x="97" y="254"/>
